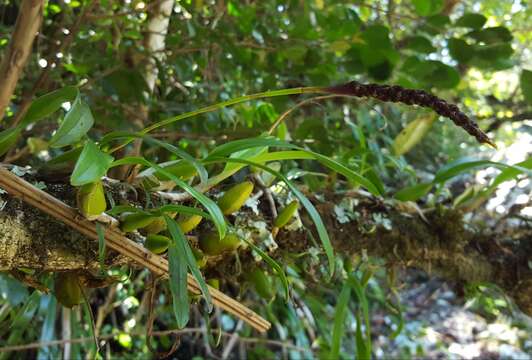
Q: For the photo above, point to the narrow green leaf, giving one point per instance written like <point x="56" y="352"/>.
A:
<point x="412" y="193"/>
<point x="48" y="104"/>
<point x="92" y="164"/>
<point x="274" y="265"/>
<point x="471" y="20"/>
<point x="512" y="172"/>
<point x="177" y="265"/>
<point x="363" y="300"/>
<point x="8" y="138"/>
<point x="340" y="313"/>
<point x="239" y="145"/>
<point x="182" y="154"/>
<point x="76" y="124"/>
<point x="187" y="158"/>
<point x="212" y="208"/>
<point x="362" y="351"/>
<point x="465" y="164"/>
<point x="180" y="239"/>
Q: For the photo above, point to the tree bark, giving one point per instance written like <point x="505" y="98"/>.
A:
<point x="28" y="22"/>
<point x="442" y="244"/>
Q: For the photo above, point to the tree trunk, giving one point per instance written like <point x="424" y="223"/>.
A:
<point x="28" y="22"/>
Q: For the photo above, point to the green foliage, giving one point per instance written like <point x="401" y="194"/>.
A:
<point x="471" y="20"/>
<point x="526" y="85"/>
<point x="280" y="54"/>
<point x="428" y="7"/>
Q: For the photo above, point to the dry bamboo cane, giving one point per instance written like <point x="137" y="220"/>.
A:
<point x="115" y="240"/>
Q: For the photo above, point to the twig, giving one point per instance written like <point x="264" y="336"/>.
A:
<point x="116" y="240"/>
<point x="66" y="332"/>
<point x="28" y="22"/>
<point x="52" y="59"/>
<point x="105" y="309"/>
<point x="283" y="116"/>
<point x="232" y="341"/>
<point x="248" y="340"/>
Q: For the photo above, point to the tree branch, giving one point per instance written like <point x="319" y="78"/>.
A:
<point x="442" y="244"/>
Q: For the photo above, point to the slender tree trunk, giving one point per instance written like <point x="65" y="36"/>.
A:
<point x="28" y="22"/>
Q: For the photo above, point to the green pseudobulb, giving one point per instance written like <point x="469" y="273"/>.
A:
<point x="286" y="214"/>
<point x="91" y="200"/>
<point x="67" y="289"/>
<point x="234" y="198"/>
<point x="157" y="244"/>
<point x="211" y="244"/>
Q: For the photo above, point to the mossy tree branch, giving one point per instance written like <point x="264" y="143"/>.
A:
<point x="442" y="244"/>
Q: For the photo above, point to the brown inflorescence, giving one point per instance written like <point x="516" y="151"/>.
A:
<point x="395" y="93"/>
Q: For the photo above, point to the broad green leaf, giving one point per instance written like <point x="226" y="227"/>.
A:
<point x="313" y="213"/>
<point x="77" y="122"/>
<point x="70" y="156"/>
<point x="419" y="44"/>
<point x="413" y="133"/>
<point x="48" y="104"/>
<point x="492" y="35"/>
<point x="428" y="7"/>
<point x="92" y="164"/>
<point x="340" y="314"/>
<point x="212" y="208"/>
<point x="460" y="50"/>
<point x="190" y="259"/>
<point x="412" y="193"/>
<point x="442" y="76"/>
<point x="8" y="138"/>
<point x="177" y="266"/>
<point x="274" y="265"/>
<point x="471" y="20"/>
<point x="526" y="85"/>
